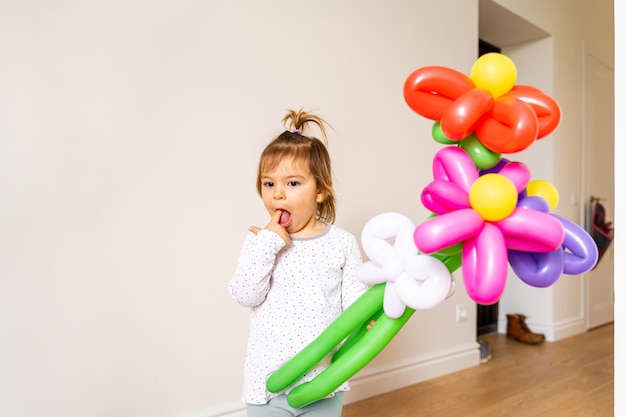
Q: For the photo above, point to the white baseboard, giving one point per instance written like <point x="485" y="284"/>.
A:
<point x="379" y="380"/>
<point x="565" y="328"/>
<point x="555" y="331"/>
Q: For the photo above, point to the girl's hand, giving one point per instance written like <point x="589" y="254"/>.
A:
<point x="274" y="226"/>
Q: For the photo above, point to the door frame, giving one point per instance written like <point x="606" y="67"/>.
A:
<point x="588" y="51"/>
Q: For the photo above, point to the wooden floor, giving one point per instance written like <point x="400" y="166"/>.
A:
<point x="572" y="377"/>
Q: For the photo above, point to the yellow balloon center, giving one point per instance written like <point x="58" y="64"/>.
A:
<point x="495" y="73"/>
<point x="493" y="196"/>
<point x="545" y="190"/>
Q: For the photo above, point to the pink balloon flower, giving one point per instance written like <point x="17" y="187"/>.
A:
<point x="481" y="212"/>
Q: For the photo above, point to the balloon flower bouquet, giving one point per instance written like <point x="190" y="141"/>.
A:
<point x="487" y="212"/>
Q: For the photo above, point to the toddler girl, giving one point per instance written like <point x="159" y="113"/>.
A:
<point x="297" y="274"/>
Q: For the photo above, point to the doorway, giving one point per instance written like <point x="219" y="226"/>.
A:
<point x="598" y="175"/>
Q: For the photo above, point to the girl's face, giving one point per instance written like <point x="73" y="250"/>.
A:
<point x="291" y="188"/>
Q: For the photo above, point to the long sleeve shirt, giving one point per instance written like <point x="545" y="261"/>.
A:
<point x="294" y="292"/>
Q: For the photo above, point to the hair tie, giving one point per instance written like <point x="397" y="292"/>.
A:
<point x="297" y="131"/>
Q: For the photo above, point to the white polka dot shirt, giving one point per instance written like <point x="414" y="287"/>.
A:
<point x="294" y="293"/>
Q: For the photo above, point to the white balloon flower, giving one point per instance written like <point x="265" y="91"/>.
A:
<point x="417" y="281"/>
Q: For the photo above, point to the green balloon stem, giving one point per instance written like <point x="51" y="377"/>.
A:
<point x="370" y="345"/>
<point x="351" y="319"/>
<point x="361" y="343"/>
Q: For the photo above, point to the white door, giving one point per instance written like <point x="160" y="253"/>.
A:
<point x="598" y="178"/>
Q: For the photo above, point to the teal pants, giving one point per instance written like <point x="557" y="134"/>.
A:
<point x="278" y="407"/>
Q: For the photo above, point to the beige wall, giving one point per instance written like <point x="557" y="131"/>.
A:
<point x="129" y="137"/>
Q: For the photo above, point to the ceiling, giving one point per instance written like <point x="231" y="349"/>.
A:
<point x="500" y="27"/>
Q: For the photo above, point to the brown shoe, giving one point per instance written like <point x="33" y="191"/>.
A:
<point x="517" y="329"/>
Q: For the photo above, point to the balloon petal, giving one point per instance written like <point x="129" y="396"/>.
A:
<point x="510" y="127"/>
<point x="407" y="288"/>
<point x="581" y="252"/>
<point x="531" y="231"/>
<point x="454" y="165"/>
<point x="518" y="173"/>
<point x="545" y="107"/>
<point x="434" y="282"/>
<point x="534" y="203"/>
<point x="460" y="118"/>
<point x="485" y="265"/>
<point x="446" y="230"/>
<point x="429" y="91"/>
<point x="382" y="227"/>
<point x="442" y="197"/>
<point x="538" y="269"/>
<point x="370" y="273"/>
<point x="392" y="303"/>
